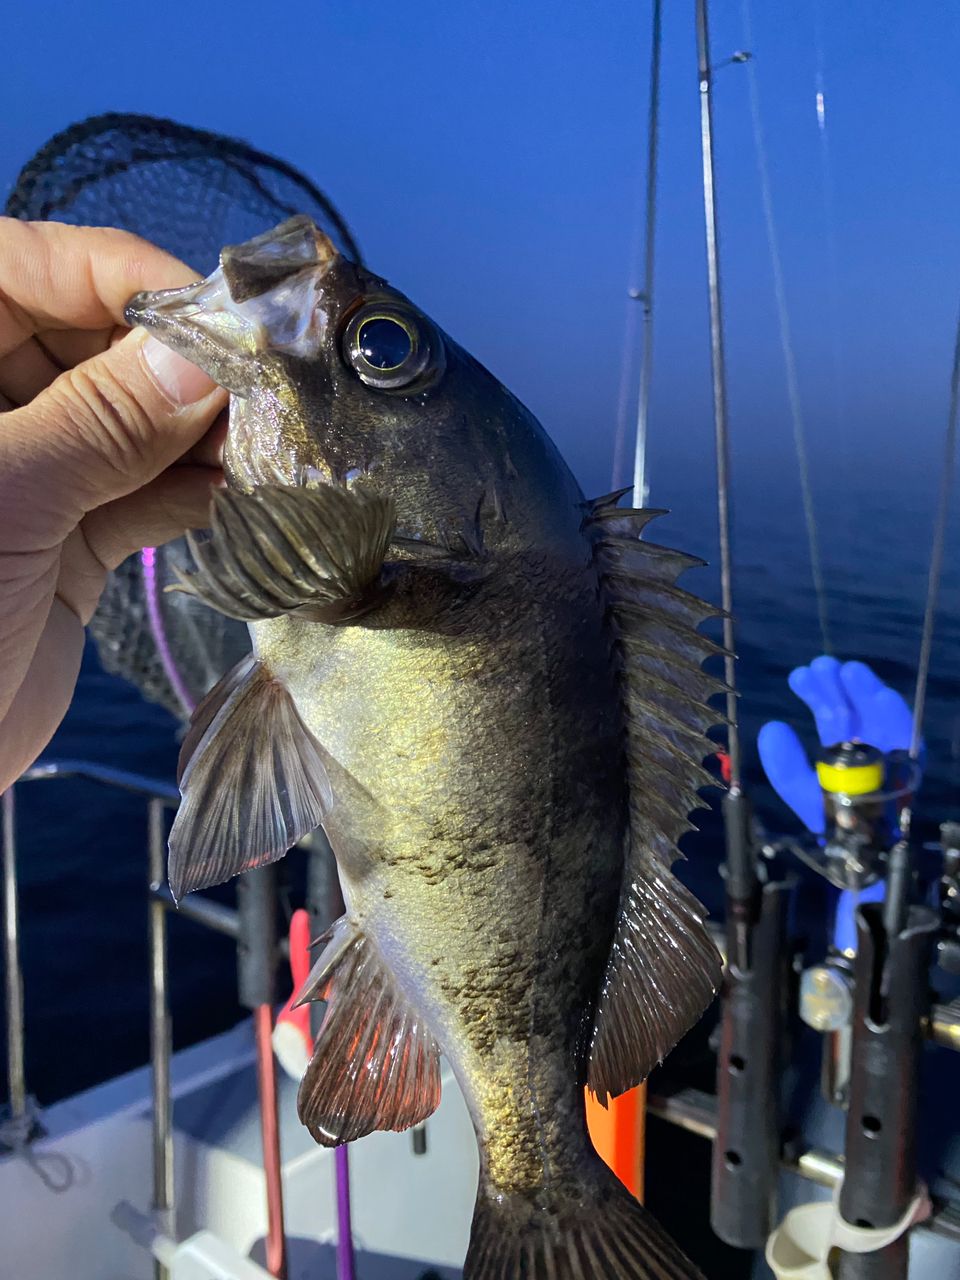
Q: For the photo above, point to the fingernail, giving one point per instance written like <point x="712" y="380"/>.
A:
<point x="178" y="379"/>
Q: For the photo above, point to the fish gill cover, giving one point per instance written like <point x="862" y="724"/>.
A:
<point x="191" y="192"/>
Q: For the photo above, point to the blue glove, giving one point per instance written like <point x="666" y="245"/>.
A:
<point x="848" y="701"/>
<point x="845" y="916"/>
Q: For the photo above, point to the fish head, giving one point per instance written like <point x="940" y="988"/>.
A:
<point x="338" y="378"/>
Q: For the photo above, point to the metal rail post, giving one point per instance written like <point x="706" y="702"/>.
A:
<point x="19" y="1120"/>
<point x="160" y="1035"/>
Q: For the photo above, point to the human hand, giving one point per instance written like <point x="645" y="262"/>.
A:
<point x="105" y="447"/>
<point x="849" y="702"/>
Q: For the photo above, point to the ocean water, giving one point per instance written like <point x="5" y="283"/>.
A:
<point x="82" y="848"/>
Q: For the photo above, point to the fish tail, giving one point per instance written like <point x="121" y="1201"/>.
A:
<point x="602" y="1233"/>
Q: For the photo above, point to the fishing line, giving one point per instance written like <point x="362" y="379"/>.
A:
<point x="936" y="553"/>
<point x="786" y="337"/>
<point x="826" y="190"/>
<point x="643" y="295"/>
<point x="842" y="446"/>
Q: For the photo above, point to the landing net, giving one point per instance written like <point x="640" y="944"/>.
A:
<point x="191" y="192"/>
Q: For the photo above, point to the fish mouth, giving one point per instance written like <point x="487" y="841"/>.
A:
<point x="266" y="295"/>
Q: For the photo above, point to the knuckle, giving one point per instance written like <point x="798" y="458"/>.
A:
<point x="110" y="413"/>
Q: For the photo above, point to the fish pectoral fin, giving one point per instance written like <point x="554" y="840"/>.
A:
<point x="316" y="553"/>
<point x="376" y="1064"/>
<point x="252" y="778"/>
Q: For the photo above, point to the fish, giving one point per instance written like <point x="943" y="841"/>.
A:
<point x="489" y="692"/>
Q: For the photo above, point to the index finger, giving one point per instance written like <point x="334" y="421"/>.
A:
<point x="54" y="276"/>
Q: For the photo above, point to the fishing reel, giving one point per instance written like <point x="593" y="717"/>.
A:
<point x="864" y="795"/>
<point x="948" y="892"/>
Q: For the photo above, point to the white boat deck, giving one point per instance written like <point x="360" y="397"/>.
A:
<point x="411" y="1213"/>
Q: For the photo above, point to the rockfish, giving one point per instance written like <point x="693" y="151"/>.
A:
<point x="488" y="691"/>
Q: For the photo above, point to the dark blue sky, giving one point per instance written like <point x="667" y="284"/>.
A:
<point x="489" y="157"/>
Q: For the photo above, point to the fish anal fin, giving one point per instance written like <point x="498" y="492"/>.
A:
<point x="252" y="778"/>
<point x="376" y="1064"/>
<point x="663" y="969"/>
<point x="313" y="552"/>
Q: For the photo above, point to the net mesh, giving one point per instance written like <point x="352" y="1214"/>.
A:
<point x="191" y="192"/>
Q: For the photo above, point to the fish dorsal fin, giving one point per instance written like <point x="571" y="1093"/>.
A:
<point x="252" y="778"/>
<point x="663" y="969"/>
<point x="376" y="1064"/>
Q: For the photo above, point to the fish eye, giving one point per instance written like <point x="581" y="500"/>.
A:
<point x="384" y="343"/>
<point x="386" y="347"/>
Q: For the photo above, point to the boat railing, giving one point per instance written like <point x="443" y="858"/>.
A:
<point x="20" y="1126"/>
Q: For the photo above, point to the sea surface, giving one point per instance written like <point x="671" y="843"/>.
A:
<point x="82" y="848"/>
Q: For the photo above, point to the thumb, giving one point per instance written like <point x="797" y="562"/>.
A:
<point x="99" y="432"/>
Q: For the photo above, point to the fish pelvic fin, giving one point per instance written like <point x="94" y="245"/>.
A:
<point x="314" y="552"/>
<point x="252" y="778"/>
<point x="376" y="1064"/>
<point x="663" y="969"/>
<point x="603" y="1231"/>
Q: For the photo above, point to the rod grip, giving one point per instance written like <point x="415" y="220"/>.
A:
<point x="740" y="867"/>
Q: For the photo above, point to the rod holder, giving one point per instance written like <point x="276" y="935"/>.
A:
<point x="324" y="900"/>
<point x="257" y="937"/>
<point x="257" y="989"/>
<point x="890" y="1006"/>
<point x="746" y="1149"/>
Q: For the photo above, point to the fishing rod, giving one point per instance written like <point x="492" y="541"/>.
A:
<point x="642" y="294"/>
<point x="618" y="1128"/>
<point x="892" y="990"/>
<point x="325" y="905"/>
<point x="746" y="1151"/>
<point x="868" y="802"/>
<point x="640" y="486"/>
<point x="256" y="957"/>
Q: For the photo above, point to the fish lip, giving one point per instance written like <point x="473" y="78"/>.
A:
<point x="180" y="316"/>
<point x="184" y="331"/>
<point x="144" y="307"/>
